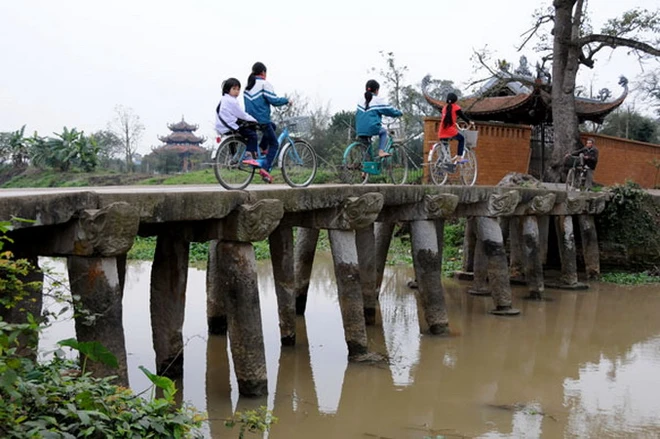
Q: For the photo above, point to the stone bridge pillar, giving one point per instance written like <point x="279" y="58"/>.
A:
<point x="303" y="261"/>
<point x="216" y="312"/>
<point x="532" y="248"/>
<point x="169" y="276"/>
<point x="352" y="242"/>
<point x="350" y="224"/>
<point x="237" y="288"/>
<point x="589" y="246"/>
<point x="491" y="242"/>
<point x="426" y="220"/>
<point x="427" y="243"/>
<point x="96" y="244"/>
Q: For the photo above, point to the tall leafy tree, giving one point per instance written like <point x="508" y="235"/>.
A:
<point x="573" y="43"/>
<point x="110" y="146"/>
<point x="629" y="124"/>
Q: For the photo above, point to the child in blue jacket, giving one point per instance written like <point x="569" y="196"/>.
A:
<point x="259" y="95"/>
<point x="370" y="111"/>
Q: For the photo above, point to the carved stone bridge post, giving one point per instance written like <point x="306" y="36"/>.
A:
<point x="490" y="239"/>
<point x="96" y="243"/>
<point x="426" y="219"/>
<point x="531" y="243"/>
<point x="589" y="246"/>
<point x="356" y="213"/>
<point x="237" y="283"/>
<point x="216" y="311"/>
<point x="383" y="235"/>
<point x="303" y="260"/>
<point x="365" y="242"/>
<point x="169" y="276"/>
<point x="480" y="269"/>
<point x="469" y="242"/>
<point x="427" y="241"/>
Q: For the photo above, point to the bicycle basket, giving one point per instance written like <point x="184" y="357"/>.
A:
<point x="300" y="126"/>
<point x="471" y="138"/>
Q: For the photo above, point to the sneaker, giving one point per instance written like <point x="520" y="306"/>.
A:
<point x="265" y="176"/>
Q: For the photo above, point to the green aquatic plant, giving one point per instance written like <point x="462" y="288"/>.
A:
<point x="252" y="421"/>
<point x="621" y="278"/>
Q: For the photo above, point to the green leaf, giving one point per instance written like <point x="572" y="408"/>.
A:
<point x="164" y="383"/>
<point x="93" y="350"/>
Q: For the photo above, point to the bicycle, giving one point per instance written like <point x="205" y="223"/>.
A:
<point x="295" y="157"/>
<point x="577" y="175"/>
<point x="441" y="163"/>
<point x="358" y="161"/>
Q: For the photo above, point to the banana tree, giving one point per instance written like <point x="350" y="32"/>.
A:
<point x="18" y="148"/>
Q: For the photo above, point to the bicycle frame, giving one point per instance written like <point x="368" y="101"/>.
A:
<point x="374" y="168"/>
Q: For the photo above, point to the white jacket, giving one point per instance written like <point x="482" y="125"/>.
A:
<point x="230" y="111"/>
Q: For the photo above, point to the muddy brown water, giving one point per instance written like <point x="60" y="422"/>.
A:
<point x="585" y="364"/>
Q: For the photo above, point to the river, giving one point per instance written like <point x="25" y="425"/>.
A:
<point x="584" y="364"/>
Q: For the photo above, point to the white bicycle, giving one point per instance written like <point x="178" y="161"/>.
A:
<point x="442" y="164"/>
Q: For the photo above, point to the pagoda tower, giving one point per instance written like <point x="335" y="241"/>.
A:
<point x="183" y="141"/>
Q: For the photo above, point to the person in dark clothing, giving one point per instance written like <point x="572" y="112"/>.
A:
<point x="589" y="155"/>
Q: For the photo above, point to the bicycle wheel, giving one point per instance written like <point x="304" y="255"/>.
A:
<point x="298" y="163"/>
<point x="229" y="168"/>
<point x="468" y="170"/>
<point x="396" y="165"/>
<point x="438" y="165"/>
<point x="351" y="166"/>
<point x="570" y="180"/>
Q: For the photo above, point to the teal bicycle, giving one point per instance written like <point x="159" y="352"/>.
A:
<point x="295" y="157"/>
<point x="361" y="160"/>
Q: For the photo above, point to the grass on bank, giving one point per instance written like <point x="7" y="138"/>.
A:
<point x="37" y="178"/>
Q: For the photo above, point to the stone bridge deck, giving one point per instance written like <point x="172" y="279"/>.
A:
<point x="95" y="227"/>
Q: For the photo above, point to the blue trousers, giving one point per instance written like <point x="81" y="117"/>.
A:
<point x="269" y="141"/>
<point x="382" y="138"/>
<point x="461" y="143"/>
<point x="250" y="135"/>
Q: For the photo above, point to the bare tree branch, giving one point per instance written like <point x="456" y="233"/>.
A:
<point x="614" y="42"/>
<point x="540" y="21"/>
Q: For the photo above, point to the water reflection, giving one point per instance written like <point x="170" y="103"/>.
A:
<point x="582" y="365"/>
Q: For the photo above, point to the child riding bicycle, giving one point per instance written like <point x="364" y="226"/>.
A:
<point x="369" y="114"/>
<point x="259" y="96"/>
<point x="229" y="117"/>
<point x="448" y="129"/>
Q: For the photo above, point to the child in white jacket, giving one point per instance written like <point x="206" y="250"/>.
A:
<point x="229" y="116"/>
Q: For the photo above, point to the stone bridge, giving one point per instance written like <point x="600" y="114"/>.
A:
<point x="95" y="227"/>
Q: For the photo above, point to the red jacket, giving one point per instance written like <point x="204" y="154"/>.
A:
<point x="452" y="130"/>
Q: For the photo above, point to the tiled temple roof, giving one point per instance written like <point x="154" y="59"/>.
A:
<point x="530" y="108"/>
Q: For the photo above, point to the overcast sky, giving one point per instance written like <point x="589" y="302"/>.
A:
<point x="69" y="63"/>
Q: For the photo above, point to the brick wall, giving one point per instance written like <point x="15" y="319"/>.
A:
<point x="504" y="148"/>
<point x="620" y="160"/>
<point x="501" y="148"/>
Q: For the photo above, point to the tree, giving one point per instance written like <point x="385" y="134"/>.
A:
<point x="16" y="147"/>
<point x="70" y="148"/>
<point x="393" y="75"/>
<point x="110" y="147"/>
<point x="127" y="126"/>
<point x="650" y="86"/>
<point x="575" y="44"/>
<point x="629" y="124"/>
